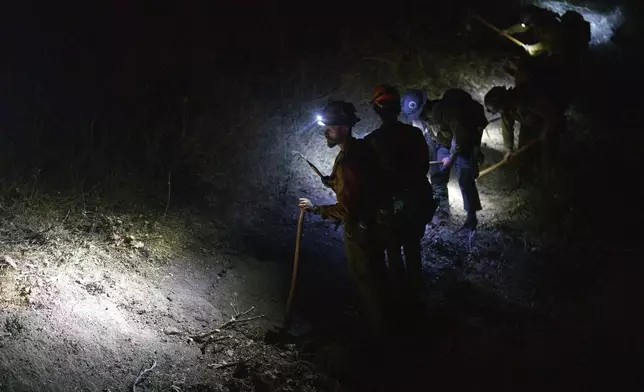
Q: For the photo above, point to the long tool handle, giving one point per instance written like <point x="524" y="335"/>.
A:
<point x="503" y="162"/>
<point x="434" y="163"/>
<point x="315" y="169"/>
<point x="296" y="263"/>
<point x="491" y="169"/>
<point x="311" y="165"/>
<point x="499" y="31"/>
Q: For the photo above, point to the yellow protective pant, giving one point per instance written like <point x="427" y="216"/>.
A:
<point x="367" y="266"/>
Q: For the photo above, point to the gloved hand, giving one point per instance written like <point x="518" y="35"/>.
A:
<point x="306" y="204"/>
<point x="534" y="50"/>
<point x="447" y="165"/>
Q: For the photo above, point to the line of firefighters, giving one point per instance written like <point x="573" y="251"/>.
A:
<point x="383" y="194"/>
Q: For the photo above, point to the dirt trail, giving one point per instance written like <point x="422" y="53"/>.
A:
<point x="93" y="328"/>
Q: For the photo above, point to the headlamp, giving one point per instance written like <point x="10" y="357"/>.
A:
<point x="320" y="120"/>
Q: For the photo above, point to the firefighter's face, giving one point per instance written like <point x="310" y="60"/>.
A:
<point x="335" y="134"/>
<point x="493" y="109"/>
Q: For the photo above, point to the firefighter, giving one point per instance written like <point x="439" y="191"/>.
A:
<point x="408" y="204"/>
<point x="578" y="36"/>
<point x="545" y="59"/>
<point x="417" y="109"/>
<point x="355" y="185"/>
<point x="539" y="119"/>
<point x="545" y="28"/>
<point x="461" y="121"/>
<point x="577" y="40"/>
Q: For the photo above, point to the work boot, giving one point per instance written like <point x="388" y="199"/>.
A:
<point x="470" y="222"/>
<point x="440" y="218"/>
<point x="442" y="215"/>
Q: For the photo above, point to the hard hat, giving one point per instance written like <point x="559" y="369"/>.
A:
<point x="529" y="14"/>
<point x="339" y="113"/>
<point x="385" y="95"/>
<point x="494" y="98"/>
<point x="412" y="104"/>
<point x="457" y="95"/>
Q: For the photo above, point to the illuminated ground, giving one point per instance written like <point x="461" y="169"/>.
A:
<point x="89" y="298"/>
<point x="87" y="312"/>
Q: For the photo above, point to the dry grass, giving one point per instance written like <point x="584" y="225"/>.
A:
<point x="40" y="231"/>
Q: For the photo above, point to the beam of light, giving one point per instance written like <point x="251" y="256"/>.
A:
<point x="602" y="24"/>
<point x="309" y="126"/>
<point x="318" y="118"/>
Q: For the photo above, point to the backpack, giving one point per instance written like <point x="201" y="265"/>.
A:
<point x="405" y="199"/>
<point x="471" y="110"/>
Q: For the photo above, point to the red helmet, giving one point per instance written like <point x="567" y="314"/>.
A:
<point x="385" y="95"/>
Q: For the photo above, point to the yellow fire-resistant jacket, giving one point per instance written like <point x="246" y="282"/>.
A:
<point x="354" y="184"/>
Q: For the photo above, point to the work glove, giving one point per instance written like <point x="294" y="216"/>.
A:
<point x="447" y="165"/>
<point x="306" y="205"/>
<point x="534" y="50"/>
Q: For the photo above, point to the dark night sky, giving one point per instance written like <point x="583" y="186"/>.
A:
<point x="126" y="66"/>
<point x="83" y="53"/>
<point x="67" y="63"/>
<point x="80" y="59"/>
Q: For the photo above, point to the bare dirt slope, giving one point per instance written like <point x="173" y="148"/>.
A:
<point x="88" y="300"/>
<point x="90" y="297"/>
<point x="94" y="330"/>
<point x="88" y="314"/>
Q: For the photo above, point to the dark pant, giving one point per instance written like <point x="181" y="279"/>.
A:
<point x="439" y="178"/>
<point x="408" y="271"/>
<point x="400" y="232"/>
<point x="467" y="171"/>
